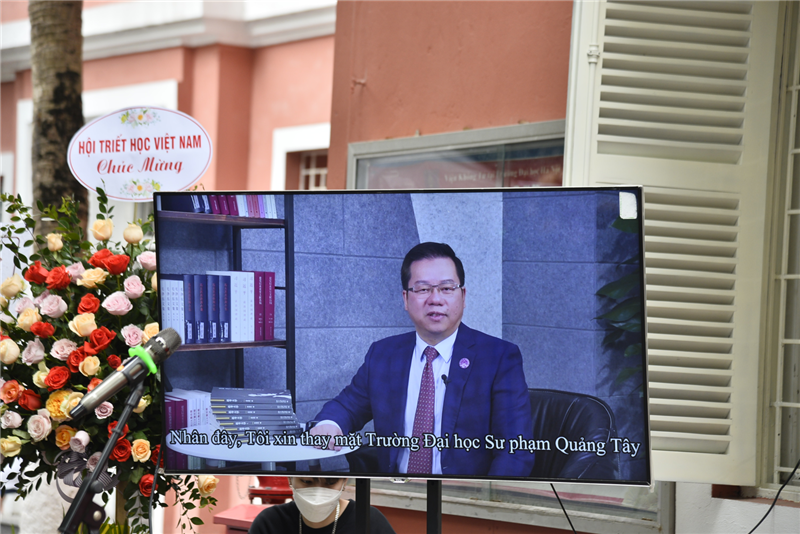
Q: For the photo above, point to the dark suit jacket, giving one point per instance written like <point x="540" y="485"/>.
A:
<point x="487" y="397"/>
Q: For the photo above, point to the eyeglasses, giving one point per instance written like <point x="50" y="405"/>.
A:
<point x="423" y="290"/>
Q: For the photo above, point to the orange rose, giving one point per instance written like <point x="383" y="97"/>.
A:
<point x="64" y="433"/>
<point x="89" y="304"/>
<point x="41" y="329"/>
<point x="58" y="278"/>
<point x="10" y="391"/>
<point x="99" y="257"/>
<point x="36" y="273"/>
<point x="116" y="264"/>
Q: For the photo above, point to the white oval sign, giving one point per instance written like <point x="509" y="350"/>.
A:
<point x="138" y="150"/>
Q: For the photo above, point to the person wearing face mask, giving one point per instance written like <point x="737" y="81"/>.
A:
<point x="317" y="508"/>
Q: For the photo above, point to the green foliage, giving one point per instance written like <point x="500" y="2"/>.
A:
<point x="624" y="315"/>
<point x="73" y="247"/>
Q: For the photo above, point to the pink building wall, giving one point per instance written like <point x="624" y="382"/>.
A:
<point x="431" y="67"/>
<point x="239" y="95"/>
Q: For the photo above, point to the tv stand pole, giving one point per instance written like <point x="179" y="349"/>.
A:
<point x="362" y="505"/>
<point x="434" y="516"/>
<point x="434" y="507"/>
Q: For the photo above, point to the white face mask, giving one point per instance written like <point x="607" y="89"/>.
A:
<point x="316" y="503"/>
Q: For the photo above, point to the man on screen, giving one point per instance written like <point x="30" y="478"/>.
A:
<point x="445" y="379"/>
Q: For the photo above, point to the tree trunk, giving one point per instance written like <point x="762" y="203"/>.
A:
<point x="56" y="69"/>
<point x="121" y="515"/>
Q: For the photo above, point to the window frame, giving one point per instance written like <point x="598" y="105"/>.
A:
<point x="422" y="144"/>
<point x="774" y="287"/>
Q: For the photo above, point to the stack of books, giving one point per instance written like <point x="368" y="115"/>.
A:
<point x="242" y="205"/>
<point x="186" y="409"/>
<point x="219" y="306"/>
<point x="239" y="410"/>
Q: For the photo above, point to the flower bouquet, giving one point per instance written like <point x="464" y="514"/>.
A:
<point x="67" y="323"/>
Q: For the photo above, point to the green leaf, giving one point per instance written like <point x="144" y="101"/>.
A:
<point x="137" y="474"/>
<point x="619" y="288"/>
<point x="196" y="520"/>
<point x="633" y="350"/>
<point x="626" y="373"/>
<point x="623" y="311"/>
<point x="632" y="325"/>
<point x="630" y="226"/>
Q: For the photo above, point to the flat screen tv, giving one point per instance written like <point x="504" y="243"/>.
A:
<point x="458" y="334"/>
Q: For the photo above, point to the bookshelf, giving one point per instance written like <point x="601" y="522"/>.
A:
<point x="238" y="224"/>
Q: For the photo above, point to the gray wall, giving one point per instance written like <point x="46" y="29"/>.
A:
<point x="558" y="251"/>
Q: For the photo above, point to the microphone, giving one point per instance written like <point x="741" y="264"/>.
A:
<point x="144" y="360"/>
<point x="445" y="379"/>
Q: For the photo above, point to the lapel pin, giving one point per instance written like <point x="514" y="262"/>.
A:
<point x="464" y="363"/>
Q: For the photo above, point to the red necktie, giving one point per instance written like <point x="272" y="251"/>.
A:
<point x="421" y="461"/>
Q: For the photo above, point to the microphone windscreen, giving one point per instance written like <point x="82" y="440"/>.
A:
<point x="163" y="344"/>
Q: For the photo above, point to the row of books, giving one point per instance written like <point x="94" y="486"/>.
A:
<point x="245" y="205"/>
<point x="239" y="410"/>
<point x="219" y="306"/>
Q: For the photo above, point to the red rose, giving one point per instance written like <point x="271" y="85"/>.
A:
<point x="114" y="361"/>
<point x="112" y="425"/>
<point x="116" y="264"/>
<point x="122" y="450"/>
<point x="99" y="257"/>
<point x="41" y="329"/>
<point x="101" y="338"/>
<point x="89" y="304"/>
<point x="36" y="274"/>
<point x="146" y="485"/>
<point x="30" y="400"/>
<point x="58" y="278"/>
<point x="57" y="378"/>
<point x="93" y="383"/>
<point x="154" y="455"/>
<point x="75" y="358"/>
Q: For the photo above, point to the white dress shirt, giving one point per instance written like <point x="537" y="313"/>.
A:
<point x="441" y="367"/>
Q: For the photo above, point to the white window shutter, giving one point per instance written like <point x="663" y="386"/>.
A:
<point x="677" y="96"/>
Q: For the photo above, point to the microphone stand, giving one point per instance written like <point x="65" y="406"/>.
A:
<point x="83" y="509"/>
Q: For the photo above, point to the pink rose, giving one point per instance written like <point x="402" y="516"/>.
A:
<point x="62" y="349"/>
<point x="11" y="420"/>
<point x="147" y="260"/>
<point x="23" y="304"/>
<point x="132" y="335"/>
<point x="79" y="441"/>
<point x="134" y="288"/>
<point x="117" y="303"/>
<point x="39" y="425"/>
<point x="53" y="306"/>
<point x="93" y="460"/>
<point x="38" y="300"/>
<point x="104" y="410"/>
<point x="75" y="271"/>
<point x="33" y="353"/>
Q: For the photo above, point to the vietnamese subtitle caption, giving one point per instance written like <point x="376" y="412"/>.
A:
<point x="518" y="445"/>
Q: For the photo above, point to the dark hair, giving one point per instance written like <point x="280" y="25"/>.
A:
<point x="429" y="251"/>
